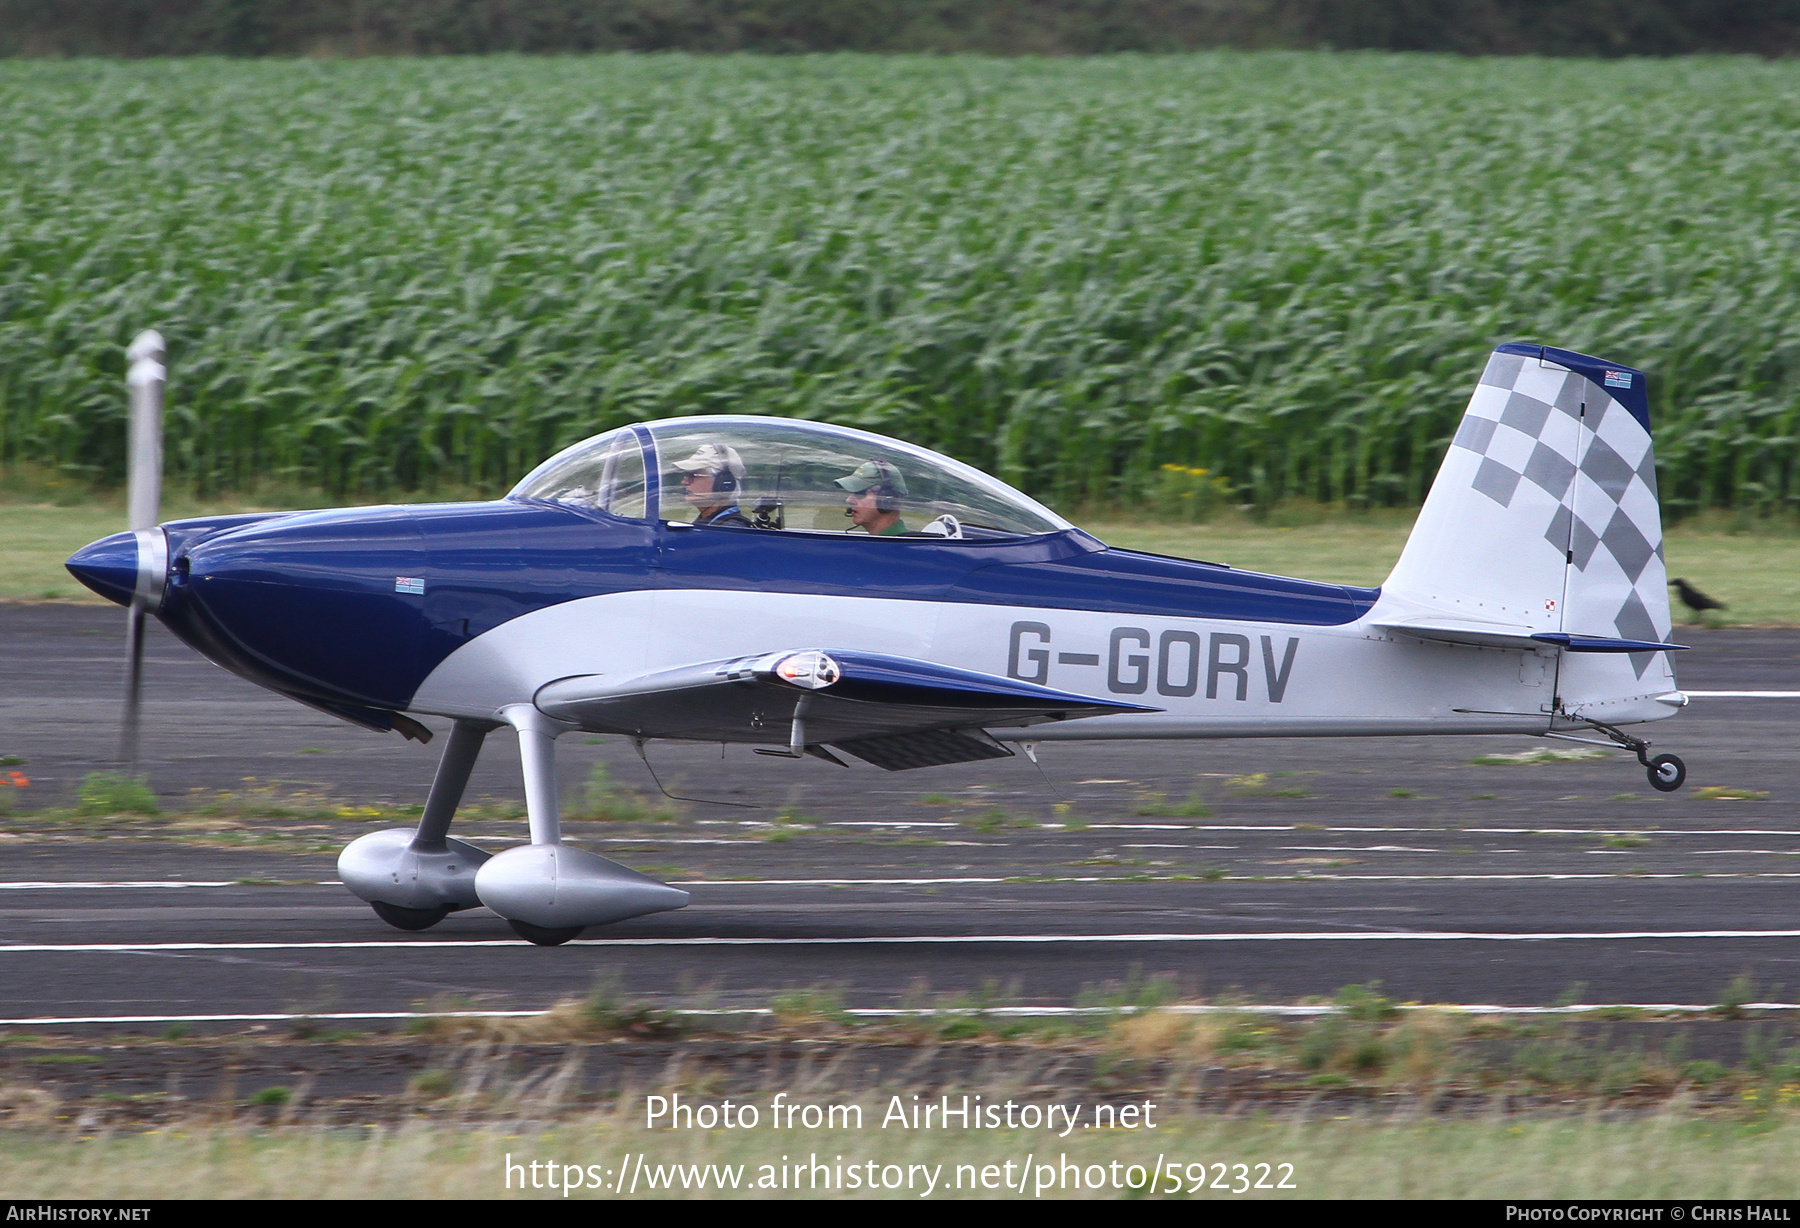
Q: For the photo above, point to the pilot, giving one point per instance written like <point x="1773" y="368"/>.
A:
<point x="876" y="489"/>
<point x="710" y="479"/>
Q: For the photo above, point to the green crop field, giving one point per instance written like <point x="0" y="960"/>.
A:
<point x="1285" y="267"/>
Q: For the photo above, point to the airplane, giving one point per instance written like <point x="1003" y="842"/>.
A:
<point x="813" y="590"/>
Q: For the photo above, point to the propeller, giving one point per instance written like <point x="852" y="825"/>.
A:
<point x="144" y="388"/>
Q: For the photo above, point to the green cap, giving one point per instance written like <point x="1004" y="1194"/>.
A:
<point x="873" y="473"/>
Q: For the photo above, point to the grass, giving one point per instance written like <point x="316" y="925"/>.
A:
<point x="603" y="1013"/>
<point x="995" y="819"/>
<point x="1342" y="549"/>
<point x="1608" y="1104"/>
<point x="1158" y="806"/>
<point x="601" y="800"/>
<point x="1285" y="269"/>
<point x="109" y="793"/>
<point x="36" y="541"/>
<point x="1754" y="568"/>
<point x="1664" y="1156"/>
<point x="38" y="533"/>
<point x="266" y="817"/>
<point x="1258" y="784"/>
<point x="1517" y="758"/>
<point x="811" y="1006"/>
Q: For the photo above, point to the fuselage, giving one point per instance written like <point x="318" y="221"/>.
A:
<point x="458" y="610"/>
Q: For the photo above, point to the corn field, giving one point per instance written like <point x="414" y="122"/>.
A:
<point x="382" y="276"/>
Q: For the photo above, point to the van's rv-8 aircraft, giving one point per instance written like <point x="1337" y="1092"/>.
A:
<point x="696" y="578"/>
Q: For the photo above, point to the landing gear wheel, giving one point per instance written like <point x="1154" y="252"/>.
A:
<point x="409" y="918"/>
<point x="544" y="937"/>
<point x="1667" y="773"/>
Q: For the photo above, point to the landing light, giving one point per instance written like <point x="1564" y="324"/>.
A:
<point x="812" y="670"/>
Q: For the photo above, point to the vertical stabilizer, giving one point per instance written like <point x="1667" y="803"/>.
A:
<point x="1544" y="518"/>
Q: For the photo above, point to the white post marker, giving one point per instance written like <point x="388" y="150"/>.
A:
<point x="144" y="382"/>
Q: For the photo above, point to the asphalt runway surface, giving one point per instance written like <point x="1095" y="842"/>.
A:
<point x="1307" y="864"/>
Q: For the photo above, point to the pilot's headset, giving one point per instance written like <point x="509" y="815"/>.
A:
<point x="729" y="476"/>
<point x="721" y="462"/>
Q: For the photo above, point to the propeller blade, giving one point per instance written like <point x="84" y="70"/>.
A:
<point x="144" y="388"/>
<point x="134" y="671"/>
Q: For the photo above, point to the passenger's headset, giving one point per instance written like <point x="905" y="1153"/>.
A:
<point x="887" y="499"/>
<point x="723" y="481"/>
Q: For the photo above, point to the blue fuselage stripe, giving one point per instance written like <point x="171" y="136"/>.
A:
<point x="328" y="606"/>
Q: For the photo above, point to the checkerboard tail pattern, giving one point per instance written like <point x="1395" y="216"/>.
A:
<point x="1544" y="513"/>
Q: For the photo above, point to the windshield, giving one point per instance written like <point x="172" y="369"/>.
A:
<point x="809" y="477"/>
<point x="605" y="473"/>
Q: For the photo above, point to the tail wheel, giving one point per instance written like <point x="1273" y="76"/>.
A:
<point x="409" y="918"/>
<point x="1667" y="773"/>
<point x="545" y="936"/>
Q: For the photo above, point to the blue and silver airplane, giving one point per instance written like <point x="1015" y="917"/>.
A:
<point x="813" y="590"/>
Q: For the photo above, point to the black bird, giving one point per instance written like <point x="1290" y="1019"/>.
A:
<point x="1693" y="598"/>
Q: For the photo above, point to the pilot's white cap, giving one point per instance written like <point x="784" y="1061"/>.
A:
<point x="714" y="458"/>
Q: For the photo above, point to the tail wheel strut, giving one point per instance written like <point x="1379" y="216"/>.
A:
<point x="1667" y="773"/>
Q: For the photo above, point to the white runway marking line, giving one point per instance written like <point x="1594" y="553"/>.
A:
<point x="1700" y="852"/>
<point x="1235" y="827"/>
<point x="1743" y="694"/>
<point x="1179" y="846"/>
<point x="1523" y="831"/>
<point x="85" y="886"/>
<point x="1027" y="879"/>
<point x="644" y="839"/>
<point x="876" y="1012"/>
<point x="1271" y="828"/>
<point x="1019" y="880"/>
<point x="891" y="940"/>
<point x="1351" y="848"/>
<point x="1274" y="828"/>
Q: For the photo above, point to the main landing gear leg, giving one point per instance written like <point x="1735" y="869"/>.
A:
<point x="434" y="825"/>
<point x="543" y="806"/>
<point x="415" y="878"/>
<point x="447" y="786"/>
<point x="547" y="891"/>
<point x="1667" y="772"/>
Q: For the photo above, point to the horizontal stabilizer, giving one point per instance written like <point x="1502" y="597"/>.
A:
<point x="1600" y="643"/>
<point x="1457" y="631"/>
<point x="1500" y="635"/>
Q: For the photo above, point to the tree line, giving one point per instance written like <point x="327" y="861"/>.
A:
<point x="136" y="28"/>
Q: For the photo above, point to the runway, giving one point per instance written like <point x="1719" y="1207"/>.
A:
<point x="1275" y="870"/>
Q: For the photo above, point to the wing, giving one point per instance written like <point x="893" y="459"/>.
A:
<point x="894" y="712"/>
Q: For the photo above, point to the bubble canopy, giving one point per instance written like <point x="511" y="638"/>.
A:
<point x="783" y="475"/>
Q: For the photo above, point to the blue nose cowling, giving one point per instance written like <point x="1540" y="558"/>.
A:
<point x="108" y="566"/>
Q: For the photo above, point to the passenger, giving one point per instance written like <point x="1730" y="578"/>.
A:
<point x="710" y="481"/>
<point x="876" y="489"/>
